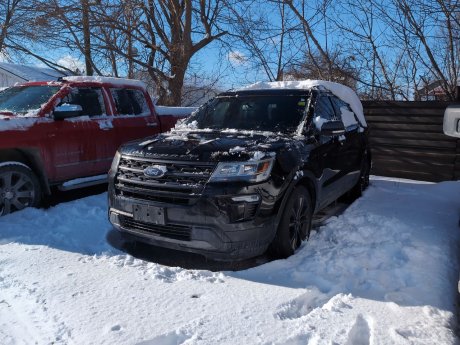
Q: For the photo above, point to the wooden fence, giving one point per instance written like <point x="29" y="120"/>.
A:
<point x="407" y="141"/>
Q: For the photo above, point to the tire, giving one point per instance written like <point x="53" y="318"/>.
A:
<point x="295" y="224"/>
<point x="19" y="188"/>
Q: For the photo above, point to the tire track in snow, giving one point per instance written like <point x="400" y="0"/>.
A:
<point x="22" y="313"/>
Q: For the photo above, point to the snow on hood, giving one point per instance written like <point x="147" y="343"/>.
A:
<point x="343" y="92"/>
<point x="8" y="123"/>
<point x="208" y="146"/>
<point x="108" y="80"/>
<point x="6" y="114"/>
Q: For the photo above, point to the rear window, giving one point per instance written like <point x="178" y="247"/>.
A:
<point x="130" y="102"/>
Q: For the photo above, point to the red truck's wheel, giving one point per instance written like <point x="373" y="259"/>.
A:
<point x="19" y="188"/>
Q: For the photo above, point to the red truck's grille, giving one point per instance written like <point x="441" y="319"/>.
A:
<point x="183" y="182"/>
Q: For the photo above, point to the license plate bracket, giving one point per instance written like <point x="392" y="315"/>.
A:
<point x="149" y="214"/>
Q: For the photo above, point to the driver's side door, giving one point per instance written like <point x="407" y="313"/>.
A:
<point x="331" y="164"/>
<point x="83" y="145"/>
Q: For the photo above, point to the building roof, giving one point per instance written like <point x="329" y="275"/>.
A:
<point x="31" y="73"/>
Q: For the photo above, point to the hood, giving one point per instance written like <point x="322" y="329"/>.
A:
<point x="208" y="146"/>
<point x="19" y="123"/>
<point x="7" y="114"/>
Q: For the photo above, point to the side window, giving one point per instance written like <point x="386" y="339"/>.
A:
<point x="90" y="99"/>
<point x="130" y="102"/>
<point x="324" y="112"/>
<point x="347" y="115"/>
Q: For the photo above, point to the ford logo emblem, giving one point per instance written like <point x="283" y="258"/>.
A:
<point x="155" y="171"/>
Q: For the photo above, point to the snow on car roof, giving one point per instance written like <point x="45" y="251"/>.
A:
<point x="343" y="92"/>
<point x="108" y="80"/>
<point x="174" y="111"/>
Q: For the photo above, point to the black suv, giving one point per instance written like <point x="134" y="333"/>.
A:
<point x="244" y="173"/>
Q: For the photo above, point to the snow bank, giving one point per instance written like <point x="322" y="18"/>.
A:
<point x="108" y="80"/>
<point x="343" y="92"/>
<point x="175" y="111"/>
<point x="384" y="272"/>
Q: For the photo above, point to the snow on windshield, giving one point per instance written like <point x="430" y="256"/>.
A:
<point x="25" y="100"/>
<point x="343" y="92"/>
<point x="263" y="113"/>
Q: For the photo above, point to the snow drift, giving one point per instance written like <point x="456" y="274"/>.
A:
<point x="384" y="272"/>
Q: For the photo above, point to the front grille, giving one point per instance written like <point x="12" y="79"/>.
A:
<point x="174" y="231"/>
<point x="182" y="184"/>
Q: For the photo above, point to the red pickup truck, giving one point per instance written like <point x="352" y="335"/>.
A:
<point x="65" y="133"/>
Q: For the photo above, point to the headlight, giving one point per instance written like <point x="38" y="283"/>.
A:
<point x="252" y="171"/>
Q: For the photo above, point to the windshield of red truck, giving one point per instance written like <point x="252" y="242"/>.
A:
<point x="25" y="99"/>
<point x="272" y="113"/>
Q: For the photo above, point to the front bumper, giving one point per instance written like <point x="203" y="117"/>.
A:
<point x="206" y="227"/>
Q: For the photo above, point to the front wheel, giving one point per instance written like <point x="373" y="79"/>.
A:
<point x="295" y="224"/>
<point x="19" y="188"/>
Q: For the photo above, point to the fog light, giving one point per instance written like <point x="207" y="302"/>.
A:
<point x="246" y="198"/>
<point x="241" y="207"/>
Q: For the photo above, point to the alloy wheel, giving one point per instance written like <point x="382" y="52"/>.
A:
<point x="298" y="222"/>
<point x="16" y="191"/>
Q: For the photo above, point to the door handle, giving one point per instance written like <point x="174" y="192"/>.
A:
<point x="152" y="124"/>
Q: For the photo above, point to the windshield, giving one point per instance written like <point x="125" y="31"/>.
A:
<point x="23" y="99"/>
<point x="261" y="113"/>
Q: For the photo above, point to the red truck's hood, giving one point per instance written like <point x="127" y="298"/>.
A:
<point x="19" y="123"/>
<point x="6" y="114"/>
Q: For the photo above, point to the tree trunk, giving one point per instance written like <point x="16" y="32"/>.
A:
<point x="176" y="83"/>
<point x="86" y="37"/>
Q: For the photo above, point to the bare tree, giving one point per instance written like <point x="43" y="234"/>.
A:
<point x="7" y="13"/>
<point x="368" y="43"/>
<point x="67" y="24"/>
<point x="315" y="48"/>
<point x="263" y="37"/>
<point x="340" y="71"/>
<point x="428" y="30"/>
<point x="16" y="19"/>
<point x="162" y="37"/>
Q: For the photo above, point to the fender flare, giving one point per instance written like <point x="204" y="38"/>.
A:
<point x="308" y="180"/>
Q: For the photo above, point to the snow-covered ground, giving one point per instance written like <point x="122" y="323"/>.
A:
<point x="384" y="272"/>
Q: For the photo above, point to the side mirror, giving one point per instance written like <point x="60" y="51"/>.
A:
<point x="66" y="111"/>
<point x="332" y="128"/>
<point x="452" y="121"/>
